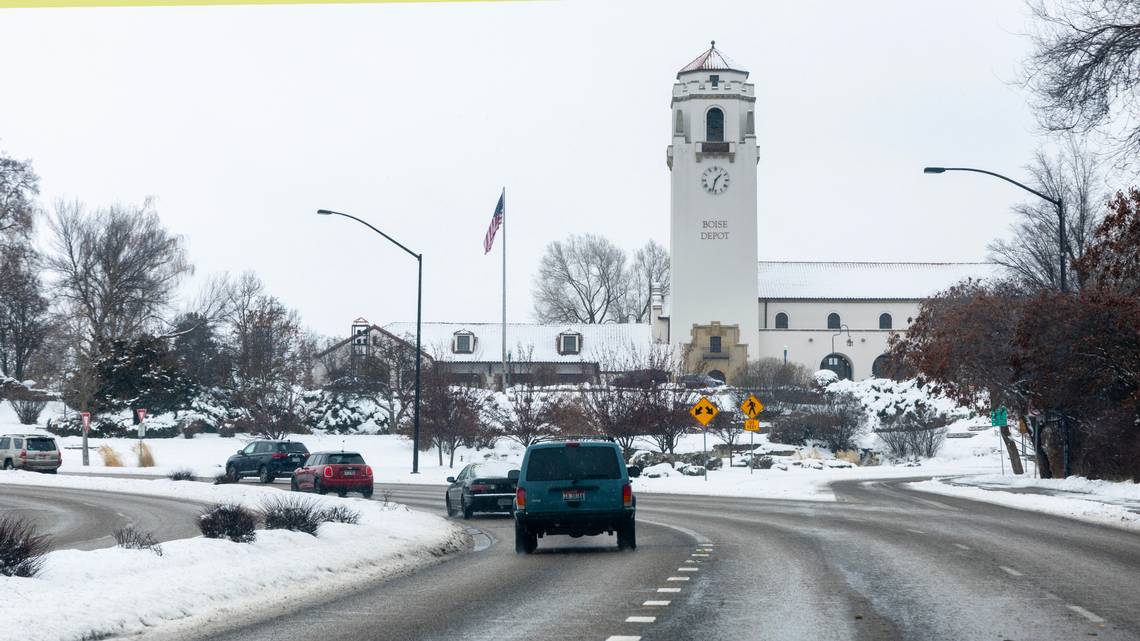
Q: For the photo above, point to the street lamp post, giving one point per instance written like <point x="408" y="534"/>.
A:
<point x="419" y="309"/>
<point x="1057" y="202"/>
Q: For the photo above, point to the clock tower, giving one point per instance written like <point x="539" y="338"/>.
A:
<point x="714" y="311"/>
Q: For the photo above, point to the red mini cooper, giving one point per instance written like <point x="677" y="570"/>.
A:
<point x="340" y="472"/>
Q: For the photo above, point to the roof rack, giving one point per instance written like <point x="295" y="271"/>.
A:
<point x="575" y="437"/>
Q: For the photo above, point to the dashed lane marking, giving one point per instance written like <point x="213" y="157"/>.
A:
<point x="625" y="638"/>
<point x="678" y="578"/>
<point x="1091" y="616"/>
<point x="656" y="604"/>
<point x="961" y="547"/>
<point x="915" y="531"/>
<point x="668" y="589"/>
<point x="1010" y="571"/>
<point x="699" y="555"/>
<point x="640" y="619"/>
<point x="689" y="561"/>
<point x="687" y="569"/>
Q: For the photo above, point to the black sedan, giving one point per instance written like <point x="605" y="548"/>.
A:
<point x="481" y="487"/>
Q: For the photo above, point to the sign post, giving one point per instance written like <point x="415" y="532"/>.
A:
<point x="752" y="408"/>
<point x="704" y="411"/>
<point x="141" y="413"/>
<point x="998" y="419"/>
<point x="86" y="416"/>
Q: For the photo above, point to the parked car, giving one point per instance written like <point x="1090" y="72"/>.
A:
<point x="481" y="487"/>
<point x="577" y="487"/>
<point x="266" y="460"/>
<point x="34" y="452"/>
<point x="340" y="472"/>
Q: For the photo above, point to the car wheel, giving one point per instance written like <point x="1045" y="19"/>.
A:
<point x="49" y="471"/>
<point x="342" y="493"/>
<point x="367" y="493"/>
<point x="293" y="486"/>
<point x="263" y="475"/>
<point x="318" y="488"/>
<point x="468" y="511"/>
<point x="525" y="542"/>
<point x="447" y="503"/>
<point x="627" y="536"/>
<point x="8" y="464"/>
<point x="232" y="474"/>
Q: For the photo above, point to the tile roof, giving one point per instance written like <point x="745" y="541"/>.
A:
<point x="711" y="60"/>
<point x="609" y="344"/>
<point x="868" y="281"/>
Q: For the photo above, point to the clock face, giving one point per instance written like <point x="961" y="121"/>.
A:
<point x="715" y="180"/>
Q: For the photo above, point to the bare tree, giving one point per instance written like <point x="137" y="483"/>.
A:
<point x="118" y="268"/>
<point x="1032" y="255"/>
<point x="18" y="188"/>
<point x="24" y="321"/>
<point x="451" y="415"/>
<point x="649" y="270"/>
<point x="580" y="280"/>
<point x="1086" y="68"/>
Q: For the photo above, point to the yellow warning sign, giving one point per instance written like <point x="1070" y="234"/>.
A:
<point x="751" y="406"/>
<point x="752" y="425"/>
<point x="704" y="411"/>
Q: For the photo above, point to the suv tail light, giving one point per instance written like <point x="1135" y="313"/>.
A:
<point x="277" y="455"/>
<point x="627" y="495"/>
<point x="520" y="498"/>
<point x="328" y="472"/>
<point x="367" y="470"/>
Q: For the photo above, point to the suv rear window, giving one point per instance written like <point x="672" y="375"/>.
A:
<point x="41" y="444"/>
<point x="572" y="463"/>
<point x="292" y="447"/>
<point x="345" y="459"/>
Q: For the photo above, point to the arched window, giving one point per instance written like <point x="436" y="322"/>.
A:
<point x="714" y="125"/>
<point x="781" y="321"/>
<point x="885" y="321"/>
<point x="833" y="321"/>
<point x="881" y="367"/>
<point x="837" y="363"/>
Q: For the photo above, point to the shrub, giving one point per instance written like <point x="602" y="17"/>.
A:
<point x="228" y="521"/>
<point x="131" y="538"/>
<point x="851" y="456"/>
<point x="28" y="411"/>
<point x="762" y="462"/>
<point x="182" y="474"/>
<point x="919" y="432"/>
<point x="142" y="451"/>
<point x="110" y="456"/>
<point x="340" y="514"/>
<point x="288" y="512"/>
<point x="22" y="548"/>
<point x="835" y="423"/>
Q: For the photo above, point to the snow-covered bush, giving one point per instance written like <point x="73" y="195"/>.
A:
<point x="919" y="432"/>
<point x="340" y="514"/>
<point x="22" y="547"/>
<point x="228" y="521"/>
<point x="28" y="411"/>
<point x="181" y="474"/>
<point x="761" y="462"/>
<point x="345" y="413"/>
<point x="132" y="538"/>
<point x="824" y="377"/>
<point x="290" y="512"/>
<point x="835" y="422"/>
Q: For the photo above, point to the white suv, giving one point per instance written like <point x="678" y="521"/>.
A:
<point x="35" y="452"/>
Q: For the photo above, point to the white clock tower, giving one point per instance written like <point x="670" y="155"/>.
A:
<point x="714" y="312"/>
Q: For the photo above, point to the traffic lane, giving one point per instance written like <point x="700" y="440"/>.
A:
<point x="87" y="519"/>
<point x="895" y="570"/>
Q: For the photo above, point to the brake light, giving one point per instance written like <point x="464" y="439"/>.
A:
<point x="328" y="472"/>
<point x="520" y="498"/>
<point x="367" y="470"/>
<point x="627" y="495"/>
<point x="479" y="487"/>
<point x="279" y="455"/>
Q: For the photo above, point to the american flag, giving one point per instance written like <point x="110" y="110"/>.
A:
<point x="496" y="223"/>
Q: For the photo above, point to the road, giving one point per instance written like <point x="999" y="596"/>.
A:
<point x="86" y="519"/>
<point x="883" y="563"/>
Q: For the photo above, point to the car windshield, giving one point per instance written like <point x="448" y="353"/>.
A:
<point x="572" y="464"/>
<point x="298" y="448"/>
<point x="41" y="444"/>
<point x="345" y="458"/>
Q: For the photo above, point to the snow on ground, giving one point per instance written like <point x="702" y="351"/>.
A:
<point x="1102" y="502"/>
<point x="90" y="594"/>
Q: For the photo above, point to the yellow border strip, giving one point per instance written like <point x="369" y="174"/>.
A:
<point x="51" y="4"/>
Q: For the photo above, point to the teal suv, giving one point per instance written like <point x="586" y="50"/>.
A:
<point x="577" y="487"/>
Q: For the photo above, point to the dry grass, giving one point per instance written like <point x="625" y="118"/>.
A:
<point x="146" y="458"/>
<point x="110" y="456"/>
<point x="806" y="454"/>
<point x="851" y="456"/>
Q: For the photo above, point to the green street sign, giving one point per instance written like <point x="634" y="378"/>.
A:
<point x="999" y="417"/>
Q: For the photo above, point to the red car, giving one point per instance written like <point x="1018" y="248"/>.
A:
<point x="340" y="472"/>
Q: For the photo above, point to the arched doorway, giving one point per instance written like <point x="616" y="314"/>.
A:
<point x="717" y="374"/>
<point x="837" y="363"/>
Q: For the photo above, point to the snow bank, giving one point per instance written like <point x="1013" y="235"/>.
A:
<point x="115" y="591"/>
<point x="1103" y="502"/>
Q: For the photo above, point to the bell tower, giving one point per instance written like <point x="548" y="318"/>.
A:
<point x="714" y="315"/>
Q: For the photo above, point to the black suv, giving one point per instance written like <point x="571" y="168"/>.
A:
<point x="266" y="460"/>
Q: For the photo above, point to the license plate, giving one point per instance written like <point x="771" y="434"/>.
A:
<point x="573" y="495"/>
<point x="505" y="502"/>
<point x="350" y="472"/>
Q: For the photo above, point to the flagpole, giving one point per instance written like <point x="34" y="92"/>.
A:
<point x="504" y="289"/>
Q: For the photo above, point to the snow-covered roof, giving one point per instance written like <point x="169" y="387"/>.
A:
<point x="711" y="60"/>
<point x="866" y="281"/>
<point x="611" y="345"/>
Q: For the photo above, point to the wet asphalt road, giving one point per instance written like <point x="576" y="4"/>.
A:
<point x="882" y="563"/>
<point x="85" y="520"/>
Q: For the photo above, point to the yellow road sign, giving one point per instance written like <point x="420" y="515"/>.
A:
<point x="704" y="411"/>
<point x="751" y="406"/>
<point x="752" y="425"/>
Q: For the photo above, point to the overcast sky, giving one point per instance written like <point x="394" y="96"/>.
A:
<point x="242" y="121"/>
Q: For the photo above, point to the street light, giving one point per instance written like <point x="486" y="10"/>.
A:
<point x="1057" y="202"/>
<point x="419" y="307"/>
<point x="842" y="328"/>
